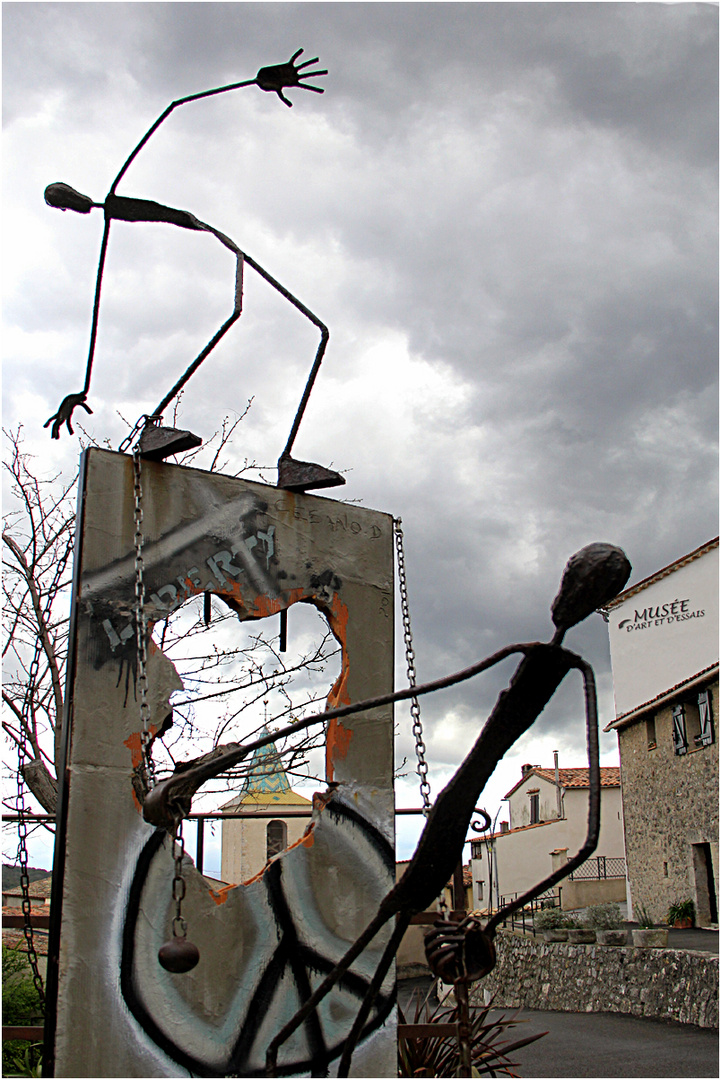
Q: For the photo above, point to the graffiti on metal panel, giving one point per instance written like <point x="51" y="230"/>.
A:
<point x="279" y="936"/>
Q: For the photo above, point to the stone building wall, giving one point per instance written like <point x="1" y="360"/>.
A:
<point x="670" y="805"/>
<point x="663" y="984"/>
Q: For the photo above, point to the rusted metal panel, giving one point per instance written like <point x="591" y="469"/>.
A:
<point x="261" y="945"/>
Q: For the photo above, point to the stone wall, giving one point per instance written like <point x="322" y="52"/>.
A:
<point x="670" y="805"/>
<point x="663" y="984"/>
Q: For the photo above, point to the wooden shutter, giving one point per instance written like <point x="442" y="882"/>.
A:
<point x="704" y="713"/>
<point x="680" y="743"/>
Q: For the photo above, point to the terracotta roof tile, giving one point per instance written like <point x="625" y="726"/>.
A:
<point x="578" y="778"/>
<point x="571" y="778"/>
<point x="15" y="938"/>
<point x="39" y="889"/>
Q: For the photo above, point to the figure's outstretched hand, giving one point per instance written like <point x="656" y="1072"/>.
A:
<point x="290" y="74"/>
<point x="65" y="412"/>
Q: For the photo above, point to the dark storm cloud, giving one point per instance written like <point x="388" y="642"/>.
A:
<point x="514" y="205"/>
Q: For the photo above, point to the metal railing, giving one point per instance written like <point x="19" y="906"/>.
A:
<point x="600" y="868"/>
<point x="523" y="919"/>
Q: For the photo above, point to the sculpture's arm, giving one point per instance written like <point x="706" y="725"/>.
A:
<point x="170" y="799"/>
<point x="275" y="78"/>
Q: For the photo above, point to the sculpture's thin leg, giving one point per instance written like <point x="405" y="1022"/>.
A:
<point x="320" y="352"/>
<point x="234" y="316"/>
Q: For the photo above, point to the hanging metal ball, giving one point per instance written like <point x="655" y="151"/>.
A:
<point x="178" y="955"/>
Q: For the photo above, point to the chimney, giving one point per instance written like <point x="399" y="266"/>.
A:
<point x="525" y="769"/>
<point x="504" y="826"/>
<point x="559" y="804"/>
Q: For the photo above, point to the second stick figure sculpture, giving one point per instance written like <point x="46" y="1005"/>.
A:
<point x="157" y="442"/>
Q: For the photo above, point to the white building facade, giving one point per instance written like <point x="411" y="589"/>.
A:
<point x="548" y="819"/>
<point x="665" y="659"/>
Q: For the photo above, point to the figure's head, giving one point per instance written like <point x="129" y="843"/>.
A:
<point x="63" y="197"/>
<point x="593" y="576"/>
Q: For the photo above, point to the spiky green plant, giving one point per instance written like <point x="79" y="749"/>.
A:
<point x="440" y="1057"/>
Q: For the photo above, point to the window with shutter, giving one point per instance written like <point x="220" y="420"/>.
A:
<point x="680" y="744"/>
<point x="705" y="736"/>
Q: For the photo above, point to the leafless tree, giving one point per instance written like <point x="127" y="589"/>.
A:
<point x="227" y="674"/>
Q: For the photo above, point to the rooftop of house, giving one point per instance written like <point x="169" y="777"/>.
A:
<point x="570" y="778"/>
<point x="37" y="890"/>
<point x="14" y="938"/>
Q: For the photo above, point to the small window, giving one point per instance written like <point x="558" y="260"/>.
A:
<point x="651" y="732"/>
<point x="693" y="723"/>
<point x="535" y="814"/>
<point x="276" y="837"/>
<point x="480" y="889"/>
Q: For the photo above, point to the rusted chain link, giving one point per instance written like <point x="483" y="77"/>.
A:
<point x="180" y="929"/>
<point x="141" y="628"/>
<point x="22" y="855"/>
<point x="422" y="768"/>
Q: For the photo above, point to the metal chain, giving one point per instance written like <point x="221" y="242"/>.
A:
<point x="22" y="858"/>
<point x="146" y="420"/>
<point x="141" y="629"/>
<point x="180" y="929"/>
<point x="422" y="768"/>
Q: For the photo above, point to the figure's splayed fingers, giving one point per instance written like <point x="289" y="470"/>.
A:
<point x="306" y="63"/>
<point x="278" y="76"/>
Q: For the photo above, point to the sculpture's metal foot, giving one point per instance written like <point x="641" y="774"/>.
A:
<point x="305" y="475"/>
<point x="157" y="443"/>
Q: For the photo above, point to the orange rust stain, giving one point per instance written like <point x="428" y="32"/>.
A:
<point x="307" y="840"/>
<point x="263" y="606"/>
<point x="221" y="895"/>
<point x="338" y="740"/>
<point x="338" y="622"/>
<point x="134" y="745"/>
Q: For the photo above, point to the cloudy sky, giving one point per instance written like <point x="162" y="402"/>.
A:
<point x="505" y="213"/>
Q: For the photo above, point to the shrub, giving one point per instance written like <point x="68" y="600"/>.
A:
<point x="604" y="917"/>
<point x="549" y="919"/>
<point x="21" y="1005"/>
<point x="680" y="911"/>
<point x="643" y="918"/>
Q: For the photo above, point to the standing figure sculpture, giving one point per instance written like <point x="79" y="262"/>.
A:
<point x="160" y="442"/>
<point x="592" y="577"/>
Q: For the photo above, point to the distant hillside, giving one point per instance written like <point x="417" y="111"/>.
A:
<point x="11" y="876"/>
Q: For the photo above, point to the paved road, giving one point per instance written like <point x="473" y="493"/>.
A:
<point x="603" y="1044"/>
<point x="609" y="1045"/>
<point x="704" y="940"/>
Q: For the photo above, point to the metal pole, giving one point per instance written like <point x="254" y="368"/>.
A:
<point x="200" y="836"/>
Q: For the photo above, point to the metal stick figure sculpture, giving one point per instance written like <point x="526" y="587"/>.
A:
<point x="159" y="443"/>
<point x="592" y="577"/>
